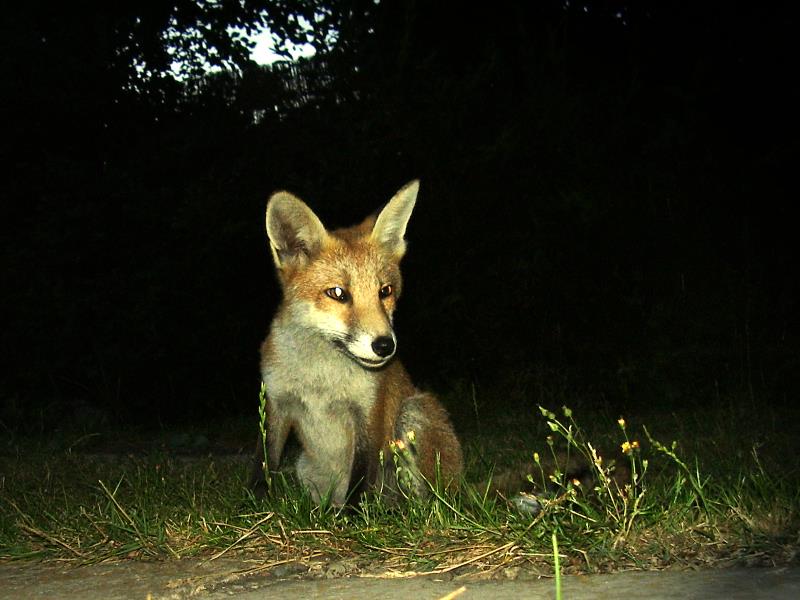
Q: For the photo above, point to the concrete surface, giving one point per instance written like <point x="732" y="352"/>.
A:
<point x="245" y="580"/>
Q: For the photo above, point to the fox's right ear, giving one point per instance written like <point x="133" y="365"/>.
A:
<point x="295" y="232"/>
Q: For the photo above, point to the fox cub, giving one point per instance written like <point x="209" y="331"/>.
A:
<point x="328" y="362"/>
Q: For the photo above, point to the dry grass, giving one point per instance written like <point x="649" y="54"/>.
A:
<point x="670" y="512"/>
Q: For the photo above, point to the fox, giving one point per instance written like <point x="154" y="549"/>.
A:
<point x="329" y="366"/>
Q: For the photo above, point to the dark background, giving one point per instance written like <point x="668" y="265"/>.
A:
<point x="607" y="202"/>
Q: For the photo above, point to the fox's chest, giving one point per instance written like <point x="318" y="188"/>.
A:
<point x="318" y="380"/>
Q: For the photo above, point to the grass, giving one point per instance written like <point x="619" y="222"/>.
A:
<point x="718" y="492"/>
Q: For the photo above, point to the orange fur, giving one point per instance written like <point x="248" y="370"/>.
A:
<point x="328" y="362"/>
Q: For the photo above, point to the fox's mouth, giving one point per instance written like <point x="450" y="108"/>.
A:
<point x="372" y="364"/>
<point x="368" y="363"/>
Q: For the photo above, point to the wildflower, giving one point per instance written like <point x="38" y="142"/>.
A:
<point x="546" y="413"/>
<point x="628" y="447"/>
<point x="621" y="422"/>
<point x="567" y="411"/>
<point x="411" y="436"/>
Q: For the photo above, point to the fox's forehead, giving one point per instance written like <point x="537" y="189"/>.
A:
<point x="354" y="260"/>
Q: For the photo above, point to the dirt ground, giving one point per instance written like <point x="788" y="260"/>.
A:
<point x="248" y="580"/>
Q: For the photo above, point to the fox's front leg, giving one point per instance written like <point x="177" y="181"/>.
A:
<point x="278" y="427"/>
<point x="326" y="464"/>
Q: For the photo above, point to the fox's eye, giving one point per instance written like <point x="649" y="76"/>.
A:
<point x="385" y="291"/>
<point x="337" y="294"/>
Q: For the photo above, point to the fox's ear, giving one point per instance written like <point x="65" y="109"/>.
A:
<point x="390" y="226"/>
<point x="295" y="232"/>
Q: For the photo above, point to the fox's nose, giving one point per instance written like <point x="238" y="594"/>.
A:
<point x="383" y="346"/>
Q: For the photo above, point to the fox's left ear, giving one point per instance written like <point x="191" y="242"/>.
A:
<point x="390" y="226"/>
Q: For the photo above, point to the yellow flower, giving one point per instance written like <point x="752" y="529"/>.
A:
<point x="621" y="422"/>
<point x="412" y="437"/>
<point x="628" y="447"/>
